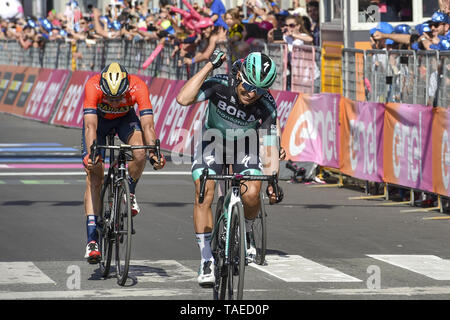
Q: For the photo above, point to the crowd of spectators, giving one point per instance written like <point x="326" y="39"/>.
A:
<point x="433" y="34"/>
<point x="193" y="29"/>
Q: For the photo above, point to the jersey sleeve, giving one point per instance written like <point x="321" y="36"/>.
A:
<point x="92" y="96"/>
<point x="142" y="97"/>
<point x="210" y="86"/>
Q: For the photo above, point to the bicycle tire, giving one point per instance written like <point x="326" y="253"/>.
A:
<point x="236" y="254"/>
<point x="104" y="232"/>
<point x="123" y="231"/>
<point x="259" y="232"/>
<point x="218" y="250"/>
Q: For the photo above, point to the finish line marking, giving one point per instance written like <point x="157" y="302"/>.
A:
<point x="294" y="268"/>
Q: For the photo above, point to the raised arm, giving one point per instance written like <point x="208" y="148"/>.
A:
<point x="189" y="92"/>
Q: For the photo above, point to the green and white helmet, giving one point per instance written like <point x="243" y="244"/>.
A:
<point x="259" y="70"/>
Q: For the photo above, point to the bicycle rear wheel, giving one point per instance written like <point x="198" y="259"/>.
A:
<point x="103" y="230"/>
<point x="259" y="232"/>
<point x="123" y="230"/>
<point x="218" y="250"/>
<point x="236" y="254"/>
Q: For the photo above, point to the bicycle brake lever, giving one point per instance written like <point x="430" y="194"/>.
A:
<point x="158" y="150"/>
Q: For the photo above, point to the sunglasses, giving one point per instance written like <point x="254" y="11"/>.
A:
<point x="292" y="25"/>
<point x="435" y="24"/>
<point x="251" y="88"/>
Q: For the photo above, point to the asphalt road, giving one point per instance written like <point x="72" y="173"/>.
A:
<point x="321" y="244"/>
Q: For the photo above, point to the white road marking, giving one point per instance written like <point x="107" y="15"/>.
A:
<point x="22" y="272"/>
<point x="82" y="173"/>
<point x="403" y="291"/>
<point x="293" y="268"/>
<point x="428" y="265"/>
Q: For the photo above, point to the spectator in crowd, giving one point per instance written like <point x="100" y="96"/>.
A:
<point x="236" y="34"/>
<point x="293" y="33"/>
<point x="217" y="10"/>
<point x="430" y="35"/>
<point x="312" y="9"/>
<point x="438" y="40"/>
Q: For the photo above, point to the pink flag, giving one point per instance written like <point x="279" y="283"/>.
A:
<point x="152" y="56"/>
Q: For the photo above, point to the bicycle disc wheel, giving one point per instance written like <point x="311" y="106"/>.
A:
<point x="259" y="233"/>
<point x="236" y="254"/>
<point x="123" y="229"/>
<point x="218" y="250"/>
<point x="104" y="232"/>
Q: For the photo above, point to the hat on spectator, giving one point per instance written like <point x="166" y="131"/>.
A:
<point x="204" y="23"/>
<point x="142" y="25"/>
<point x="423" y="27"/>
<point x="116" y="25"/>
<point x="167" y="26"/>
<point x="31" y="23"/>
<point x="440" y="17"/>
<point x="46" y="24"/>
<point x="73" y="3"/>
<point x="383" y="27"/>
<point x="403" y="29"/>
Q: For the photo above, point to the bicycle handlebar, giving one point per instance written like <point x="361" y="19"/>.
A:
<point x="272" y="179"/>
<point x="95" y="147"/>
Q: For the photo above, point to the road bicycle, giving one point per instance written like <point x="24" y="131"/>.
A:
<point x="115" y="225"/>
<point x="228" y="239"/>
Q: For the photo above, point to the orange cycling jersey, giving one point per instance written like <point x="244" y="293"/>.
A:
<point x="96" y="102"/>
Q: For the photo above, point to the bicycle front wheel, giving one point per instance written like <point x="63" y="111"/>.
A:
<point x="236" y="254"/>
<point x="259" y="233"/>
<point x="103" y="227"/>
<point x="218" y="250"/>
<point x="122" y="232"/>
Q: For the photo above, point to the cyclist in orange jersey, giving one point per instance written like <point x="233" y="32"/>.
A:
<point x="109" y="103"/>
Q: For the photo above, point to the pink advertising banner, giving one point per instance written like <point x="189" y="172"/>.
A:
<point x="70" y="109"/>
<point x="285" y="102"/>
<point x="178" y="127"/>
<point x="311" y="132"/>
<point x="45" y="94"/>
<point x="361" y="139"/>
<point x="407" y="155"/>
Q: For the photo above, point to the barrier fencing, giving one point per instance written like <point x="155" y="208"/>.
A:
<point x="403" y="76"/>
<point x="168" y="64"/>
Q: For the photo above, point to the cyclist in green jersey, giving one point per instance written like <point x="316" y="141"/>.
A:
<point x="241" y="113"/>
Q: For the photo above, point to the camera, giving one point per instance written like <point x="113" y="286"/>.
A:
<point x="277" y="34"/>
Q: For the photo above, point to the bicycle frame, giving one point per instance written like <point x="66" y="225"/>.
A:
<point x="231" y="198"/>
<point x="116" y="182"/>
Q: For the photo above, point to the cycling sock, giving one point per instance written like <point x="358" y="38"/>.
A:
<point x="204" y="243"/>
<point x="91" y="228"/>
<point x="132" y="183"/>
<point x="249" y="224"/>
